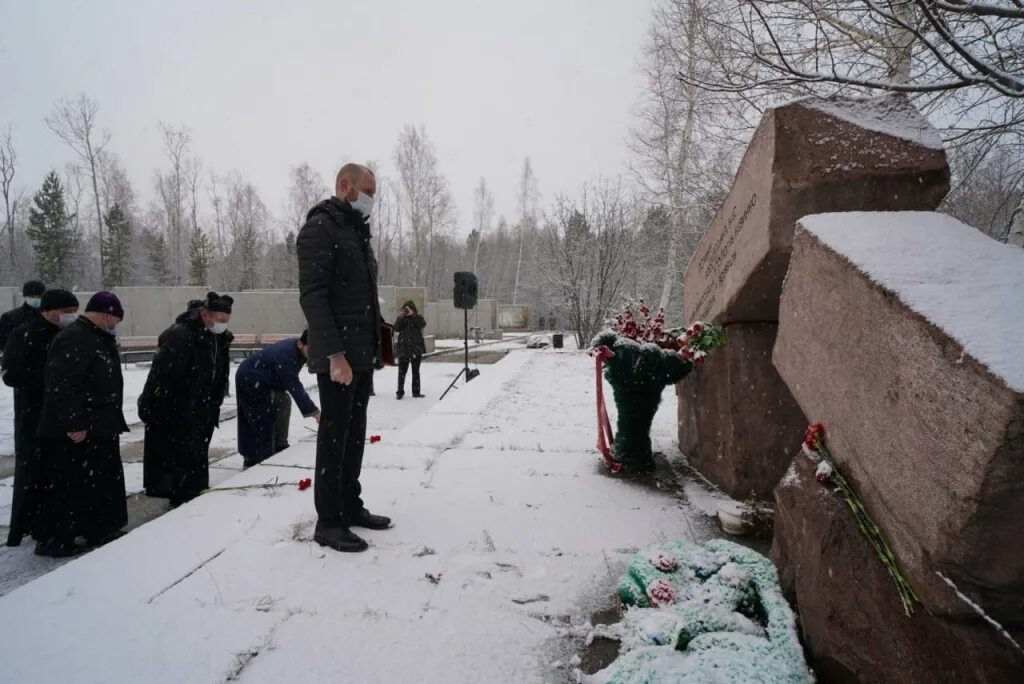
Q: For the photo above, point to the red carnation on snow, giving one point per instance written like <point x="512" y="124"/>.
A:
<point x="305" y="484"/>
<point x="374" y="439"/>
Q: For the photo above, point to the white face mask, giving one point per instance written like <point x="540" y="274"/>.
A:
<point x="67" y="319"/>
<point x="363" y="204"/>
<point x="34" y="302"/>
<point x="113" y="329"/>
<point x="218" y="328"/>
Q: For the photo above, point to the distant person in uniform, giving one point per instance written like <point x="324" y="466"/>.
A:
<point x="410" y="348"/>
<point x="271" y="370"/>
<point x="81" y="491"/>
<point x="180" y="404"/>
<point x="24" y="368"/>
<point x="32" y="294"/>
<point x="338" y="294"/>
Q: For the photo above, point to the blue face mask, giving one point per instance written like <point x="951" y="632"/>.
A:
<point x="34" y="302"/>
<point x="363" y="204"/>
<point x="112" y="330"/>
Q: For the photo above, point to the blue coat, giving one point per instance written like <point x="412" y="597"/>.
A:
<point x="276" y="369"/>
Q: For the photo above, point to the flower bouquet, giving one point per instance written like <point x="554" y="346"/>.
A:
<point x="639" y="359"/>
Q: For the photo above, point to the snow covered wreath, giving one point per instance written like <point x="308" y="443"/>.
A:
<point x="702" y="613"/>
<point x="639" y="358"/>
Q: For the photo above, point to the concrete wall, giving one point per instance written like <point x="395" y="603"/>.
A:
<point x="514" y="317"/>
<point x="150" y="310"/>
<point x="10" y="297"/>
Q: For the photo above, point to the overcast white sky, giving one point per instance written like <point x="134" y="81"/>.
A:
<point x="265" y="84"/>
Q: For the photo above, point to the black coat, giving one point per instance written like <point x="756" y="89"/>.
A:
<point x="24" y="369"/>
<point x="82" y="485"/>
<point x="84" y="386"/>
<point x="180" y="406"/>
<point x="410" y="336"/>
<point x="13" y="319"/>
<point x="338" y="287"/>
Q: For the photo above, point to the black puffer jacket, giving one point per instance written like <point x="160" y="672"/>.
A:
<point x="338" y="286"/>
<point x="188" y="380"/>
<point x="84" y="386"/>
<point x="11" y="320"/>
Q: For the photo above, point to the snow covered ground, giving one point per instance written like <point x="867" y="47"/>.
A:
<point x="506" y="532"/>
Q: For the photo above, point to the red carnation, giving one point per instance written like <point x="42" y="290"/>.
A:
<point x="305" y="484"/>
<point x="697" y="328"/>
<point x="374" y="439"/>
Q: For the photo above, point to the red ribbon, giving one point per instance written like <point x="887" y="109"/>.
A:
<point x="604" y="424"/>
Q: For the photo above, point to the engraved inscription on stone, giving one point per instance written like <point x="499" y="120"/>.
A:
<point x="721" y="255"/>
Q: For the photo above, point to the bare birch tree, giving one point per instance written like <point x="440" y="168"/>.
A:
<point x="8" y="161"/>
<point x="426" y="201"/>
<point x="588" y="243"/>
<point x="527" y="197"/>
<point x="74" y="122"/>
<point x="173" y="190"/>
<point x="483" y="213"/>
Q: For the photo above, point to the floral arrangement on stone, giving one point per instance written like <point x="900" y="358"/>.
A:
<point x="639" y="358"/>
<point x="700" y="613"/>
<point x="827" y="473"/>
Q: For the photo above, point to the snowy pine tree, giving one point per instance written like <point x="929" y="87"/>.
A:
<point x="200" y="252"/>
<point x="52" y="236"/>
<point x="158" y="263"/>
<point x="116" y="247"/>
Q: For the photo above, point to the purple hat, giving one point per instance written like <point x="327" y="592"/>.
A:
<point x="105" y="302"/>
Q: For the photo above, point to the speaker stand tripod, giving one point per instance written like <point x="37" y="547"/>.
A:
<point x="470" y="373"/>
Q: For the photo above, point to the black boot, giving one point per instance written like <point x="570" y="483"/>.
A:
<point x="57" y="549"/>
<point x="339" y="538"/>
<point x="100" y="540"/>
<point x="365" y="518"/>
<point x="399" y="394"/>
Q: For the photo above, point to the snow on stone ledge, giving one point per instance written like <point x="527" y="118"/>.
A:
<point x="888" y="114"/>
<point x="964" y="282"/>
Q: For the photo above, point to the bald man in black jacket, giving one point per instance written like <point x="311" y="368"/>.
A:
<point x="338" y="294"/>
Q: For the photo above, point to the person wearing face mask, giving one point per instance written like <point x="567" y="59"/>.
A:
<point x="180" y="403"/>
<point x="23" y="367"/>
<point x="32" y="291"/>
<point x="338" y="295"/>
<point x="81" y="491"/>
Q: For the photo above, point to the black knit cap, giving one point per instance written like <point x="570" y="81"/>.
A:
<point x="33" y="288"/>
<point x="58" y="299"/>
<point x="216" y="302"/>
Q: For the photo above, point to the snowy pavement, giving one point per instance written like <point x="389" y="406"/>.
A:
<point x="507" y="531"/>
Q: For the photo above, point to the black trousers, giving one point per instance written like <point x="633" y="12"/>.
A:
<point x="340" y="441"/>
<point x="282" y="416"/>
<point x="403" y="367"/>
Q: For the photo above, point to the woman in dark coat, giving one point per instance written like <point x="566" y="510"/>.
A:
<point x="410" y="348"/>
<point x="180" y="404"/>
<point x="24" y="369"/>
<point x="82" y="481"/>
